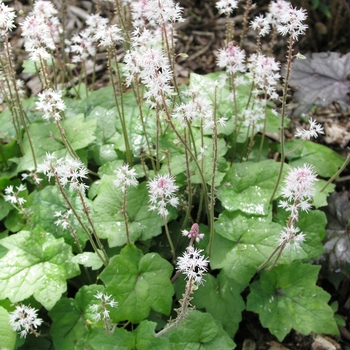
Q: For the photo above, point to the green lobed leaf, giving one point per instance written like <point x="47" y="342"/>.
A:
<point x="46" y="138"/>
<point x="199" y="331"/>
<point x="320" y="198"/>
<point x="109" y="220"/>
<point x="138" y="283"/>
<point x="79" y="132"/>
<point x="7" y="334"/>
<point x="46" y="203"/>
<point x="5" y="208"/>
<point x="287" y="297"/>
<point x="222" y="299"/>
<point x="73" y="324"/>
<point x="145" y="339"/>
<point x="120" y="339"/>
<point x="68" y="326"/>
<point x="248" y="187"/>
<point x="7" y="127"/>
<point x="313" y="225"/>
<point x="88" y="259"/>
<point x="36" y="264"/>
<point x="325" y="161"/>
<point x="106" y="125"/>
<point x="133" y="124"/>
<point x="252" y="240"/>
<point x="106" y="134"/>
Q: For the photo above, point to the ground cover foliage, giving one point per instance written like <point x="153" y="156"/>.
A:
<point x="147" y="214"/>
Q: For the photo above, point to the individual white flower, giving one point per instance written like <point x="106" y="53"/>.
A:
<point x="193" y="264"/>
<point x="162" y="192"/>
<point x="314" y="129"/>
<point x="24" y="320"/>
<point x="33" y="175"/>
<point x="125" y="177"/>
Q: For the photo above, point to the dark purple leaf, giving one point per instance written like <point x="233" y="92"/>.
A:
<point x="321" y="79"/>
<point x="337" y="241"/>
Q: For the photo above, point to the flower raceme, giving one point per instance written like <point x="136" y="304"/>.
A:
<point x="162" y="192"/>
<point x="232" y="58"/>
<point x="298" y="191"/>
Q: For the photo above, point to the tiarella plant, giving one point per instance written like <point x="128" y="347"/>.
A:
<point x="101" y="189"/>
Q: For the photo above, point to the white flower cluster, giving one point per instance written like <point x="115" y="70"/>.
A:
<point x="33" y="175"/>
<point x="50" y="102"/>
<point x="193" y="264"/>
<point x="25" y="320"/>
<point x="83" y="45"/>
<point x="41" y="31"/>
<point x="100" y="311"/>
<point x="63" y="219"/>
<point x="261" y="24"/>
<point x="162" y="192"/>
<point x="162" y="11"/>
<point x="198" y="108"/>
<point x="8" y="86"/>
<point x="12" y="196"/>
<point x="254" y="116"/>
<point x="314" y="129"/>
<point x="7" y="19"/>
<point x="125" y="177"/>
<point x="152" y="67"/>
<point x="291" y="23"/>
<point x="232" y="58"/>
<point x="298" y="191"/>
<point x="264" y="72"/>
<point x="226" y="7"/>
<point x="66" y="170"/>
